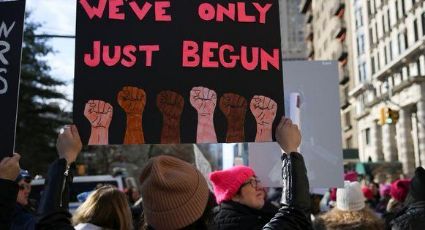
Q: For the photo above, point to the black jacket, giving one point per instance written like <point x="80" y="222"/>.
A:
<point x="233" y="215"/>
<point x="295" y="211"/>
<point x="53" y="209"/>
<point x="8" y="195"/>
<point x="410" y="218"/>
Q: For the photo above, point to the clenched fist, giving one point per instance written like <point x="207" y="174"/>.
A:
<point x="264" y="110"/>
<point x="234" y="109"/>
<point x="171" y="106"/>
<point x="203" y="100"/>
<point x="132" y="100"/>
<point x="99" y="113"/>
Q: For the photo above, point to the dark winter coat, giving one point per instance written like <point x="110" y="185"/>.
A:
<point x="8" y="195"/>
<point x="233" y="215"/>
<point x="336" y="219"/>
<point x="53" y="206"/>
<point x="22" y="219"/>
<point x="410" y="218"/>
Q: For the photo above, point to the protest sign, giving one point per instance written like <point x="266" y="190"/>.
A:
<point x="316" y="83"/>
<point x="177" y="71"/>
<point x="11" y="29"/>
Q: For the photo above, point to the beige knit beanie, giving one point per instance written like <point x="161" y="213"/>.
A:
<point x="174" y="193"/>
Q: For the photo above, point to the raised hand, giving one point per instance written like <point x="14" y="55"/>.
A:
<point x="171" y="106"/>
<point x="234" y="109"/>
<point x="133" y="100"/>
<point x="99" y="114"/>
<point x="264" y="110"/>
<point x="9" y="167"/>
<point x="204" y="101"/>
<point x="288" y="135"/>
<point x="69" y="143"/>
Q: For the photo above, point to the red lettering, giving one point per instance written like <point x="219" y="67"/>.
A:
<point x="230" y="12"/>
<point x="262" y="11"/>
<point x="233" y="58"/>
<point x="190" y="56"/>
<point x="244" y="58"/>
<point x="242" y="16"/>
<point x="206" y="11"/>
<point x="114" y="10"/>
<point x="140" y="12"/>
<point x="215" y="55"/>
<point x="160" y="14"/>
<point x="92" y="62"/>
<point x="272" y="59"/>
<point x="128" y="51"/>
<point x="207" y="54"/>
<point x="94" y="11"/>
<point x="107" y="59"/>
<point x="149" y="49"/>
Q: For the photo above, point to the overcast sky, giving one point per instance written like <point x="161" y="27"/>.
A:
<point x="58" y="17"/>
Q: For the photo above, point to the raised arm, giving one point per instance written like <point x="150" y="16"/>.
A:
<point x="295" y="210"/>
<point x="9" y="170"/>
<point x="53" y="209"/>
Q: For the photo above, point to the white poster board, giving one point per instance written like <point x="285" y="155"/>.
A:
<point x="319" y="117"/>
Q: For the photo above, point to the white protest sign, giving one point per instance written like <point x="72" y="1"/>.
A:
<point x="313" y="87"/>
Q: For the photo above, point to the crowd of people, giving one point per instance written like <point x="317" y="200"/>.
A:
<point x="175" y="195"/>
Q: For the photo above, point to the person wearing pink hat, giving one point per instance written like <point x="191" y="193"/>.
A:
<point x="240" y="194"/>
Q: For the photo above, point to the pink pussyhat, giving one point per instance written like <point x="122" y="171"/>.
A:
<point x="227" y="182"/>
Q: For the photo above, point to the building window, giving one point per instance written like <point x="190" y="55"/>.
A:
<point x="360" y="44"/>
<point x="347" y="120"/>
<point x="384" y="28"/>
<point x="423" y="24"/>
<point x="359" y="17"/>
<point x="385" y="55"/>
<point x="388" y="19"/>
<point x="390" y="48"/>
<point x="362" y="72"/>
<point x="403" y="8"/>
<point x="349" y="142"/>
<point x="372" y="63"/>
<point x="396" y="10"/>
<point x="367" y="136"/>
<point x="415" y="29"/>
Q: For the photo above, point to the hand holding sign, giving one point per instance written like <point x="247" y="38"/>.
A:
<point x="234" y="109"/>
<point x="99" y="114"/>
<point x="264" y="110"/>
<point x="171" y="106"/>
<point x="133" y="100"/>
<point x="204" y="101"/>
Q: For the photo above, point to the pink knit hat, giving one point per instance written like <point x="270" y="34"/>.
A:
<point x="399" y="189"/>
<point x="227" y="182"/>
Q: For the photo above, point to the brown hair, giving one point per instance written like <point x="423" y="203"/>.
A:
<point x="106" y="207"/>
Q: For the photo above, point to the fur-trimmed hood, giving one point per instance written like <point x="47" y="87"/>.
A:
<point x="336" y="219"/>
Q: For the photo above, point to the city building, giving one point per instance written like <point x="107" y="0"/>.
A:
<point x="389" y="89"/>
<point x="292" y="30"/>
<point x="328" y="34"/>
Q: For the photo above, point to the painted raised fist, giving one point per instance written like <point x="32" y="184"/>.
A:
<point x="99" y="113"/>
<point x="132" y="100"/>
<point x="203" y="100"/>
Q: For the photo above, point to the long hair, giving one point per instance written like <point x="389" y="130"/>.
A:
<point x="106" y="207"/>
<point x="363" y="219"/>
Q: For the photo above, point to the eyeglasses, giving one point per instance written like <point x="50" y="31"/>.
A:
<point x="254" y="183"/>
<point x="24" y="186"/>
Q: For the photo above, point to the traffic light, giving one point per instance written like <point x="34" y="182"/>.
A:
<point x="392" y="116"/>
<point x="388" y="116"/>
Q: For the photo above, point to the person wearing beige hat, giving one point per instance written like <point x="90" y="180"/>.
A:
<point x="350" y="212"/>
<point x="176" y="196"/>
